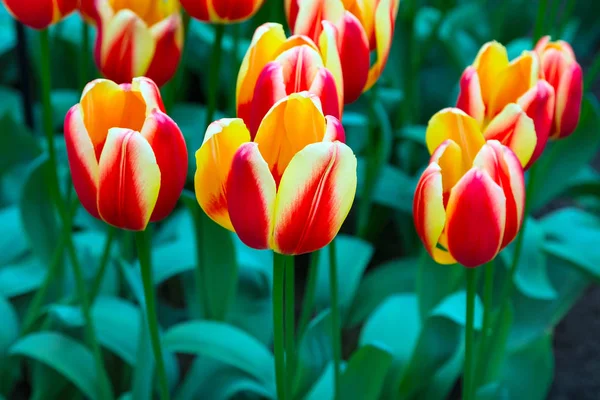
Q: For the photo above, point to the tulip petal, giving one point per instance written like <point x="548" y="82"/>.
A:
<point x="513" y="128"/>
<point x="269" y="89"/>
<point x="569" y="95"/>
<point x="385" y="15"/>
<point x="197" y="9"/>
<point x="476" y="215"/>
<point x="505" y="169"/>
<point x="149" y="92"/>
<point x="213" y="162"/>
<point x="314" y="197"/>
<point x="82" y="160"/>
<point x="168" y="35"/>
<point x="331" y="58"/>
<point x="334" y="130"/>
<point x="289" y="126"/>
<point x="129" y="180"/>
<point x="251" y="196"/>
<point x="169" y="148"/>
<point x="449" y="157"/>
<point x="429" y="213"/>
<point x="489" y="63"/>
<point x="311" y="13"/>
<point x="355" y="58"/>
<point x="233" y="10"/>
<point x="37" y="14"/>
<point x="452" y="123"/>
<point x="469" y="97"/>
<point x="325" y="88"/>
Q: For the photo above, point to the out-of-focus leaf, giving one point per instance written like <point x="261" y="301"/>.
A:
<point x="225" y="343"/>
<point x="62" y="100"/>
<point x="453" y="308"/>
<point x="11" y="108"/>
<point x="65" y="355"/>
<point x="365" y="373"/>
<point x="356" y="126"/>
<point x="416" y="133"/>
<point x="435" y="281"/>
<point x="425" y="22"/>
<point x="518" y="46"/>
<point x="393" y="277"/>
<point x="445" y="377"/>
<point x="13" y="241"/>
<point x="323" y="388"/>
<point x="9" y="330"/>
<point x="352" y="256"/>
<point x="394" y="188"/>
<point x="20" y="278"/>
<point x="17" y="144"/>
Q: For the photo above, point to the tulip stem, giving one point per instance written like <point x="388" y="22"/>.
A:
<point x="143" y="239"/>
<point x="24" y="74"/>
<point x="289" y="325"/>
<point x="213" y="74"/>
<point x="486" y="332"/>
<point x="235" y="32"/>
<point x="278" y="323"/>
<point x="205" y="308"/>
<point x="468" y="386"/>
<point x="110" y="236"/>
<point x="85" y="53"/>
<point x="309" y="293"/>
<point x="335" y="318"/>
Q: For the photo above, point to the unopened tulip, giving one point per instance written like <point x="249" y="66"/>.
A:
<point x="275" y="66"/>
<point x="128" y="159"/>
<point x="563" y="72"/>
<point x="507" y="98"/>
<point x="221" y="11"/>
<point x="288" y="190"/>
<point x="469" y="202"/>
<point x="138" y="38"/>
<point x="40" y="14"/>
<point x="359" y="27"/>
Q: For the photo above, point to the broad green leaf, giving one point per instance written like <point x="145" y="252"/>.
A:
<point x="365" y="373"/>
<point x="65" y="355"/>
<point x="454" y="307"/>
<point x="393" y="188"/>
<point x="416" y="133"/>
<point x="425" y="23"/>
<point x="9" y="330"/>
<point x="498" y="340"/>
<point x="392" y="277"/>
<point x="117" y="324"/>
<point x="356" y="124"/>
<point x="446" y="376"/>
<point x="435" y="281"/>
<point x="17" y="144"/>
<point x="13" y="241"/>
<point x="10" y="107"/>
<point x="20" y="278"/>
<point x="143" y="370"/>
<point x="224" y="343"/>
<point x="323" y="388"/>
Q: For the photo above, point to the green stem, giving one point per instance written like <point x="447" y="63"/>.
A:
<point x="213" y="74"/>
<point x="278" y="324"/>
<point x="309" y="293"/>
<point x="174" y="86"/>
<point x="592" y="73"/>
<point x="566" y="15"/>
<point x="143" y="240"/>
<point x="469" y="336"/>
<point x="110" y="236"/>
<point x="84" y="55"/>
<point x="289" y="325"/>
<point x="235" y="32"/>
<point x="200" y="270"/>
<point x="486" y="333"/>
<point x="538" y="30"/>
<point x="371" y="170"/>
<point x="335" y="318"/>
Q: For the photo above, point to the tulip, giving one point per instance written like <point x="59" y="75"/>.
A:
<point x="128" y="159"/>
<point x="469" y="202"/>
<point x="138" y="38"/>
<point x="507" y="97"/>
<point x="288" y="190"/>
<point x="560" y="68"/>
<point x="221" y="11"/>
<point x="359" y="27"/>
<point x="40" y="14"/>
<point x="275" y="66"/>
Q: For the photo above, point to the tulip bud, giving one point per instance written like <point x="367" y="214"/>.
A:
<point x="469" y="202"/>
<point x="221" y="11"/>
<point x="128" y="159"/>
<point x="561" y="69"/>
<point x="137" y="39"/>
<point x="40" y="14"/>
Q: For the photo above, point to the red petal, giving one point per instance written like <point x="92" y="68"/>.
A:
<point x="568" y="101"/>
<point x="37" y="14"/>
<point x="355" y="57"/>
<point x="169" y="42"/>
<point x="270" y="88"/>
<point x="469" y="97"/>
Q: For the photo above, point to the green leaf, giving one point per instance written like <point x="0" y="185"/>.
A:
<point x="10" y="107"/>
<point x="9" y="330"/>
<point x="20" y="278"/>
<point x="365" y="373"/>
<point x="446" y="376"/>
<point x="393" y="277"/>
<point x="13" y="241"/>
<point x="416" y="133"/>
<point x="323" y="388"/>
<point x="63" y="354"/>
<point x="117" y="324"/>
<point x="17" y="144"/>
<point x="225" y="343"/>
<point x="435" y="281"/>
<point x="393" y="187"/>
<point x="426" y="20"/>
<point x="353" y="255"/>
<point x="453" y="307"/>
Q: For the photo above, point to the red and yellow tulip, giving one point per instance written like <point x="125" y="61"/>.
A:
<point x="221" y="11"/>
<point x="138" y="38"/>
<point x="275" y="66"/>
<point x="469" y="202"/>
<point x="128" y="159"/>
<point x="289" y="189"/>
<point x="40" y="14"/>
<point x="359" y="26"/>
<point x="507" y="99"/>
<point x="560" y="68"/>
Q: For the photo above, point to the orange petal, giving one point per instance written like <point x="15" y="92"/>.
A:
<point x="149" y="92"/>
<point x="168" y="35"/>
<point x="314" y="197"/>
<point x="355" y="57"/>
<point x="491" y="60"/>
<point x="469" y="97"/>
<point x="82" y="160"/>
<point x="169" y="148"/>
<point x="476" y="215"/>
<point x="251" y="197"/>
<point x="385" y="16"/>
<point x="568" y="101"/>
<point x="513" y="128"/>
<point x="452" y="123"/>
<point x="449" y="157"/>
<point x="129" y="180"/>
<point x="213" y="163"/>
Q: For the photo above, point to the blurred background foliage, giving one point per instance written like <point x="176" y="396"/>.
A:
<point x="403" y="315"/>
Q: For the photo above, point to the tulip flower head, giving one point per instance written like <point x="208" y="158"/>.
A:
<point x="288" y="190"/>
<point x="560" y="68"/>
<point x="138" y="38"/>
<point x="507" y="99"/>
<point x="359" y="27"/>
<point x="469" y="202"/>
<point x="40" y="14"/>
<point x="275" y="66"/>
<point x="221" y="11"/>
<point x="128" y="159"/>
